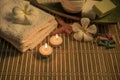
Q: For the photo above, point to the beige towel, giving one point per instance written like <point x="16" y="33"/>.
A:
<point x="19" y="32"/>
<point x="22" y="36"/>
<point x="32" y="43"/>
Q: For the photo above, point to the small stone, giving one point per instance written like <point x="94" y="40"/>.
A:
<point x="109" y="36"/>
<point x="106" y="43"/>
<point x="112" y="42"/>
<point x="109" y="46"/>
<point x="101" y="43"/>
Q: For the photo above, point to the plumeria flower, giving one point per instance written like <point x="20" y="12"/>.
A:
<point x="84" y="31"/>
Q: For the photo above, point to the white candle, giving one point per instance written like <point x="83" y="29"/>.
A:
<point x="56" y="40"/>
<point x="46" y="50"/>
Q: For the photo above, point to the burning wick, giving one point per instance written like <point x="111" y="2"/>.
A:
<point x="46" y="45"/>
<point x="56" y="40"/>
<point x="46" y="50"/>
<point x="57" y="36"/>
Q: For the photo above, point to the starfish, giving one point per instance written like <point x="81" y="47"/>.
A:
<point x="64" y="27"/>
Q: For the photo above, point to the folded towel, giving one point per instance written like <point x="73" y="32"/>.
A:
<point x="24" y="37"/>
<point x="34" y="42"/>
<point x="18" y="31"/>
<point x="38" y="36"/>
<point x="40" y="39"/>
<point x="30" y="39"/>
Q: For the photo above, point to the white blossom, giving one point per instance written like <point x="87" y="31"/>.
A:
<point x="84" y="31"/>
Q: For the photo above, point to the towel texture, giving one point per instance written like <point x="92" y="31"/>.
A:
<point x="24" y="37"/>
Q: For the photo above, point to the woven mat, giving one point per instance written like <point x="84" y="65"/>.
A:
<point x="72" y="60"/>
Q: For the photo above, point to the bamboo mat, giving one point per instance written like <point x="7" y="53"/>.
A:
<point x="72" y="60"/>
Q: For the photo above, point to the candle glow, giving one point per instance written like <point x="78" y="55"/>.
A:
<point x="56" y="40"/>
<point x="46" y="46"/>
<point x="57" y="36"/>
<point x="46" y="50"/>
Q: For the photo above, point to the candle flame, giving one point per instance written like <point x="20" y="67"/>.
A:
<point x="56" y="35"/>
<point x="46" y="45"/>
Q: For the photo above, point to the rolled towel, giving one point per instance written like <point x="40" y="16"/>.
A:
<point x="87" y="10"/>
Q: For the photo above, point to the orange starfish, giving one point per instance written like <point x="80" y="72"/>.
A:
<point x="65" y="27"/>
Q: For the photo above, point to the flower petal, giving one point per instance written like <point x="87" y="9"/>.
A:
<point x="76" y="27"/>
<point x="92" y="29"/>
<point x="85" y="22"/>
<point x="78" y="36"/>
<point x="88" y="37"/>
<point x="17" y="10"/>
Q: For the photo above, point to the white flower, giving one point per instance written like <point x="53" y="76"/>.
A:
<point x="25" y="13"/>
<point x="84" y="31"/>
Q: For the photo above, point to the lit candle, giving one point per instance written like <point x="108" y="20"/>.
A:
<point x="56" y="40"/>
<point x="46" y="46"/>
<point x="46" y="50"/>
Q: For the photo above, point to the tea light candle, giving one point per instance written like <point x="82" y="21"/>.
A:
<point x="56" y="40"/>
<point x="46" y="50"/>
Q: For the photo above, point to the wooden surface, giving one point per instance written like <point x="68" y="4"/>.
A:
<point x="73" y="60"/>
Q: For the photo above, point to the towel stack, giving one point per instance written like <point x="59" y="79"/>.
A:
<point x="24" y="37"/>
